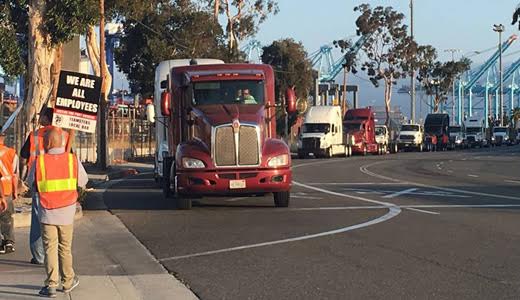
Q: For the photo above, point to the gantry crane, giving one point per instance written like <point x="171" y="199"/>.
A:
<point x="474" y="77"/>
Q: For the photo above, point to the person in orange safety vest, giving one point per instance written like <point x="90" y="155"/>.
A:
<point x="8" y="183"/>
<point x="55" y="177"/>
<point x="32" y="147"/>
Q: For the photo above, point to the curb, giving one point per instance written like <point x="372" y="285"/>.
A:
<point x="23" y="219"/>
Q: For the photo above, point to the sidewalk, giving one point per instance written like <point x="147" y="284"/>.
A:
<point x="110" y="262"/>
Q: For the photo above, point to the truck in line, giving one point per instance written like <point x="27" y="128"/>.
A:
<point x="500" y="136"/>
<point x="221" y="132"/>
<point x="411" y="137"/>
<point x="476" y="132"/>
<point x="322" y="133"/>
<point x="437" y="131"/>
<point x="162" y="72"/>
<point x="359" y="124"/>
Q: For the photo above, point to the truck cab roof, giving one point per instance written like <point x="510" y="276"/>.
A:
<point x="322" y="114"/>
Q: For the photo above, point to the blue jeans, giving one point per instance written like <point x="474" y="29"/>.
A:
<point x="35" y="236"/>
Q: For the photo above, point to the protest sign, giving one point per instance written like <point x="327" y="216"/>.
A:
<point x="77" y="101"/>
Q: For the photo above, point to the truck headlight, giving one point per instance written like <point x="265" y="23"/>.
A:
<point x="192" y="163"/>
<point x="278" y="161"/>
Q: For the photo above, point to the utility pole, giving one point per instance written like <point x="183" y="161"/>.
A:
<point x="500" y="28"/>
<point x="102" y="145"/>
<point x="453" y="51"/>
<point x="412" y="79"/>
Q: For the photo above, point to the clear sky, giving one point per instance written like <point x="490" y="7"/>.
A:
<point x="460" y="24"/>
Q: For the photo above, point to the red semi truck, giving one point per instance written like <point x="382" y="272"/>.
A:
<point x="359" y="125"/>
<point x="222" y="134"/>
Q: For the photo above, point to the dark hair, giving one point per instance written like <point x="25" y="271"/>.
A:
<point x="47" y="112"/>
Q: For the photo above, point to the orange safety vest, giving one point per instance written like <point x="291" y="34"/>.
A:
<point x="6" y="169"/>
<point x="57" y="179"/>
<point x="36" y="142"/>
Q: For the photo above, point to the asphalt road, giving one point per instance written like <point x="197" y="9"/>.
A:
<point x="442" y="225"/>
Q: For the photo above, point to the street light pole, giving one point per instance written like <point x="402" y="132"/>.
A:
<point x="453" y="85"/>
<point x="500" y="28"/>
<point x="412" y="79"/>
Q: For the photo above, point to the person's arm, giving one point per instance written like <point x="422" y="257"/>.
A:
<point x="15" y="177"/>
<point x="82" y="175"/>
<point x="3" y="202"/>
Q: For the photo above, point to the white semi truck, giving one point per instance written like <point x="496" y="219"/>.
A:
<point x="476" y="132"/>
<point x="322" y="133"/>
<point x="161" y="137"/>
<point x="411" y="136"/>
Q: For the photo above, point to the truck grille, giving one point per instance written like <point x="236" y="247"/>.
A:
<point x="225" y="150"/>
<point x="311" y="143"/>
<point x="471" y="139"/>
<point x="407" y="137"/>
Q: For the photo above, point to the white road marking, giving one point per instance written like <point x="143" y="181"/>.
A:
<point x="473" y="175"/>
<point x="364" y="170"/>
<point x="406" y="207"/>
<point x="512" y="181"/>
<point x="400" y="193"/>
<point x="423" y="211"/>
<point x="353" y="183"/>
<point x="392" y="212"/>
<point x="306" y="197"/>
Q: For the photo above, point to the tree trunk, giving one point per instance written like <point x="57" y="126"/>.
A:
<point x="41" y="57"/>
<point x="55" y="72"/>
<point x="94" y="56"/>
<point x="93" y="50"/>
<point x="388" y="99"/>
<point x="436" y="104"/>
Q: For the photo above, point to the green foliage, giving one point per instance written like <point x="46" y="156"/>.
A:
<point x="66" y="18"/>
<point x="292" y="68"/>
<point x="388" y="46"/>
<point x="243" y="16"/>
<point x="437" y="77"/>
<point x="350" y="57"/>
<point x="62" y="19"/>
<point x="176" y="30"/>
<point x="12" y="57"/>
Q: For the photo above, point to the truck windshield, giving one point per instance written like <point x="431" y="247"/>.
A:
<point x="499" y="129"/>
<point x="228" y="92"/>
<point x="352" y="127"/>
<point x="316" y="128"/>
<point x="454" y="129"/>
<point x="473" y="130"/>
<point x="380" y="131"/>
<point x="409" y="128"/>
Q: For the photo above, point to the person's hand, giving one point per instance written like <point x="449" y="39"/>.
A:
<point x="3" y="205"/>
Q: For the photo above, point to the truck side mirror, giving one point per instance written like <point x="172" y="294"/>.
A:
<point x="290" y="98"/>
<point x="166" y="103"/>
<point x="164" y="84"/>
<point x="150" y="113"/>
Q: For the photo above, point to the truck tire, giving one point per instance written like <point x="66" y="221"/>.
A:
<point x="420" y="148"/>
<point x="165" y="182"/>
<point x="182" y="203"/>
<point x="301" y="155"/>
<point x="328" y="152"/>
<point x="281" y="199"/>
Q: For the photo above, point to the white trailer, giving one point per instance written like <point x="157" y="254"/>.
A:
<point x="322" y="133"/>
<point x="161" y="136"/>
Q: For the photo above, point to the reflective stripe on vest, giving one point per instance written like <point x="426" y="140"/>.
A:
<point x="60" y="189"/>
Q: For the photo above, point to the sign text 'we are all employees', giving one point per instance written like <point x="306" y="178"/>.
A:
<point x="78" y="92"/>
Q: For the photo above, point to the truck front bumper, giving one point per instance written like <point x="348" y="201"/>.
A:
<point x="219" y="183"/>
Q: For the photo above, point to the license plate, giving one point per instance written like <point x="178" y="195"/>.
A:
<point x="237" y="184"/>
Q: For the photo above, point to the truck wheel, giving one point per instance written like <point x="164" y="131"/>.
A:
<point x="281" y="199"/>
<point x="420" y="148"/>
<point x="301" y="155"/>
<point x="165" y="182"/>
<point x="346" y="151"/>
<point x="328" y="152"/>
<point x="183" y="203"/>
